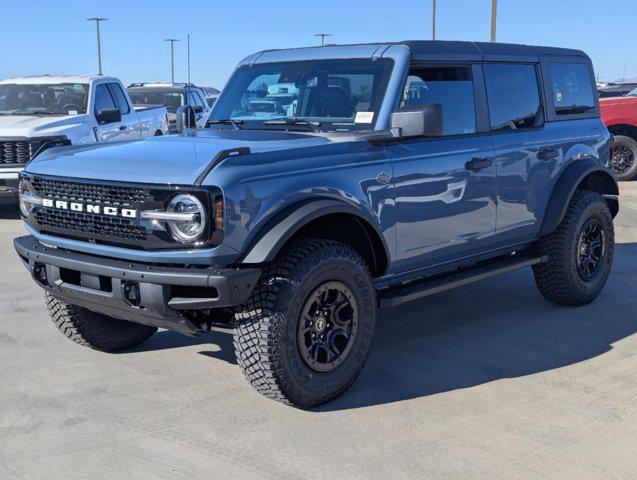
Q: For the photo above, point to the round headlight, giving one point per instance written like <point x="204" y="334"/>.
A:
<point x="194" y="218"/>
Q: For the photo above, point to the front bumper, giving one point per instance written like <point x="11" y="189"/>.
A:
<point x="138" y="292"/>
<point x="9" y="183"/>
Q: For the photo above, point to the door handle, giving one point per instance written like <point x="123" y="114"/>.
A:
<point x="123" y="127"/>
<point x="478" y="164"/>
<point x="548" y="153"/>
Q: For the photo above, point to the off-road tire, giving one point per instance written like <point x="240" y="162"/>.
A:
<point x="95" y="330"/>
<point x="558" y="279"/>
<point x="630" y="144"/>
<point x="266" y="335"/>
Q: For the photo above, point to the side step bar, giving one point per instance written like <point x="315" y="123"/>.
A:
<point x="394" y="296"/>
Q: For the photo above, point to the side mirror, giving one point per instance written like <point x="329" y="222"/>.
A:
<point x="108" y="116"/>
<point x="186" y="118"/>
<point x="418" y="121"/>
<point x="198" y="108"/>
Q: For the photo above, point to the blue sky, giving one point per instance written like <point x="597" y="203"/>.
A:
<point x="41" y="36"/>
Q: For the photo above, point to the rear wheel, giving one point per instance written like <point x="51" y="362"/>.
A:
<point x="580" y="252"/>
<point x="95" y="330"/>
<point x="304" y="335"/>
<point x="624" y="161"/>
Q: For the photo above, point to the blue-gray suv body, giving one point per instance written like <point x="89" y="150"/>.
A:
<point x="329" y="181"/>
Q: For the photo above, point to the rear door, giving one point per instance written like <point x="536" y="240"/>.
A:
<point x="528" y="150"/>
<point x="445" y="187"/>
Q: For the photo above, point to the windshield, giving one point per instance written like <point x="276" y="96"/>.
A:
<point x="632" y="93"/>
<point x="43" y="99"/>
<point x="338" y="95"/>
<point x="171" y="100"/>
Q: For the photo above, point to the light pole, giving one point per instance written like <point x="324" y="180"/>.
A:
<point x="433" y="22"/>
<point x="172" y="57"/>
<point x="494" y="14"/>
<point x="322" y="35"/>
<point x="97" y="21"/>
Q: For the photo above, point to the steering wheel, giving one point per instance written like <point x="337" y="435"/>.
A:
<point x="71" y="106"/>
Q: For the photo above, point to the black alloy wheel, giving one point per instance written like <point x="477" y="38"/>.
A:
<point x="327" y="327"/>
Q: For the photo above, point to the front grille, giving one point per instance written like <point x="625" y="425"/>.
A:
<point x="90" y="225"/>
<point x="116" y="230"/>
<point x="117" y="196"/>
<point x="15" y="153"/>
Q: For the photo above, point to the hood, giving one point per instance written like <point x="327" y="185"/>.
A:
<point x="37" y="125"/>
<point x="171" y="159"/>
<point x="608" y="101"/>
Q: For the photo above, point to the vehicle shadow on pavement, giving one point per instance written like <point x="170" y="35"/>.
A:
<point x="9" y="211"/>
<point x="166" y="339"/>
<point x="489" y="331"/>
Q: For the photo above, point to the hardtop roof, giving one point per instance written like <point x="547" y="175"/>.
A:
<point x="443" y="50"/>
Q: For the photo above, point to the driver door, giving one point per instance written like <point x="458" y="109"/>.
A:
<point x="111" y="131"/>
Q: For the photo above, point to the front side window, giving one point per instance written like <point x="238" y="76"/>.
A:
<point x="336" y="95"/>
<point x="103" y="99"/>
<point x="513" y="95"/>
<point x="452" y="88"/>
<point x="572" y="88"/>
<point x="43" y="99"/>
<point x="120" y="98"/>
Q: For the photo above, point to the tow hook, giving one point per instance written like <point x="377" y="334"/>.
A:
<point x="39" y="272"/>
<point x="131" y="293"/>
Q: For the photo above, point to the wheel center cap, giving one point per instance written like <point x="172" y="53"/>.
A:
<point x="319" y="326"/>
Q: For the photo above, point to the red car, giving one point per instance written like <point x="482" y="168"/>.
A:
<point x="620" y="116"/>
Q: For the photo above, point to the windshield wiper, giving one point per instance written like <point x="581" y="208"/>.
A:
<point x="295" y="122"/>
<point x="226" y="121"/>
<point x="35" y="112"/>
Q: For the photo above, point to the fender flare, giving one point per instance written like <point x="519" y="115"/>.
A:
<point x="569" y="181"/>
<point x="278" y="231"/>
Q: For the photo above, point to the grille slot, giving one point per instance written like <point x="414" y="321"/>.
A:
<point x="14" y="153"/>
<point x="90" y="193"/>
<point x="85" y="225"/>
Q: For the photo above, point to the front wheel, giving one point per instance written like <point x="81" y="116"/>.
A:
<point x="304" y="335"/>
<point x="94" y="330"/>
<point x="580" y="252"/>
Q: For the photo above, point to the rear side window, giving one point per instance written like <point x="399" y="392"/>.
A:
<point x="452" y="88"/>
<point x="514" y="98"/>
<point x="572" y="88"/>
<point x="120" y="98"/>
<point x="103" y="99"/>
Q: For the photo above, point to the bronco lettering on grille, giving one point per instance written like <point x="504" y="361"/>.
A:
<point x="88" y="208"/>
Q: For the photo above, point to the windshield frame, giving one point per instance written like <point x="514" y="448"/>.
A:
<point x="40" y="110"/>
<point x="222" y="109"/>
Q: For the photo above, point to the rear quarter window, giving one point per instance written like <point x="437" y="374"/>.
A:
<point x="571" y="88"/>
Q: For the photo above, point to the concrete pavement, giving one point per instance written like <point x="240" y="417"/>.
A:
<point x="488" y="381"/>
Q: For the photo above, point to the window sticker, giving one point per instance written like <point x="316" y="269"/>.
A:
<point x="78" y="86"/>
<point x="364" y="117"/>
<point x="72" y="112"/>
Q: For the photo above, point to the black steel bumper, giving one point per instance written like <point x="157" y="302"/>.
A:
<point x="138" y="292"/>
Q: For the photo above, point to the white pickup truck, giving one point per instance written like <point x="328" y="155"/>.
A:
<point x="49" y="111"/>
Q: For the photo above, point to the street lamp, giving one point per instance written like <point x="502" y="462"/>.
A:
<point x="172" y="57"/>
<point x="97" y="21"/>
<point x="494" y="14"/>
<point x="433" y="21"/>
<point x="322" y="35"/>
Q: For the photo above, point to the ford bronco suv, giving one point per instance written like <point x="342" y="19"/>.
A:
<point x="377" y="175"/>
